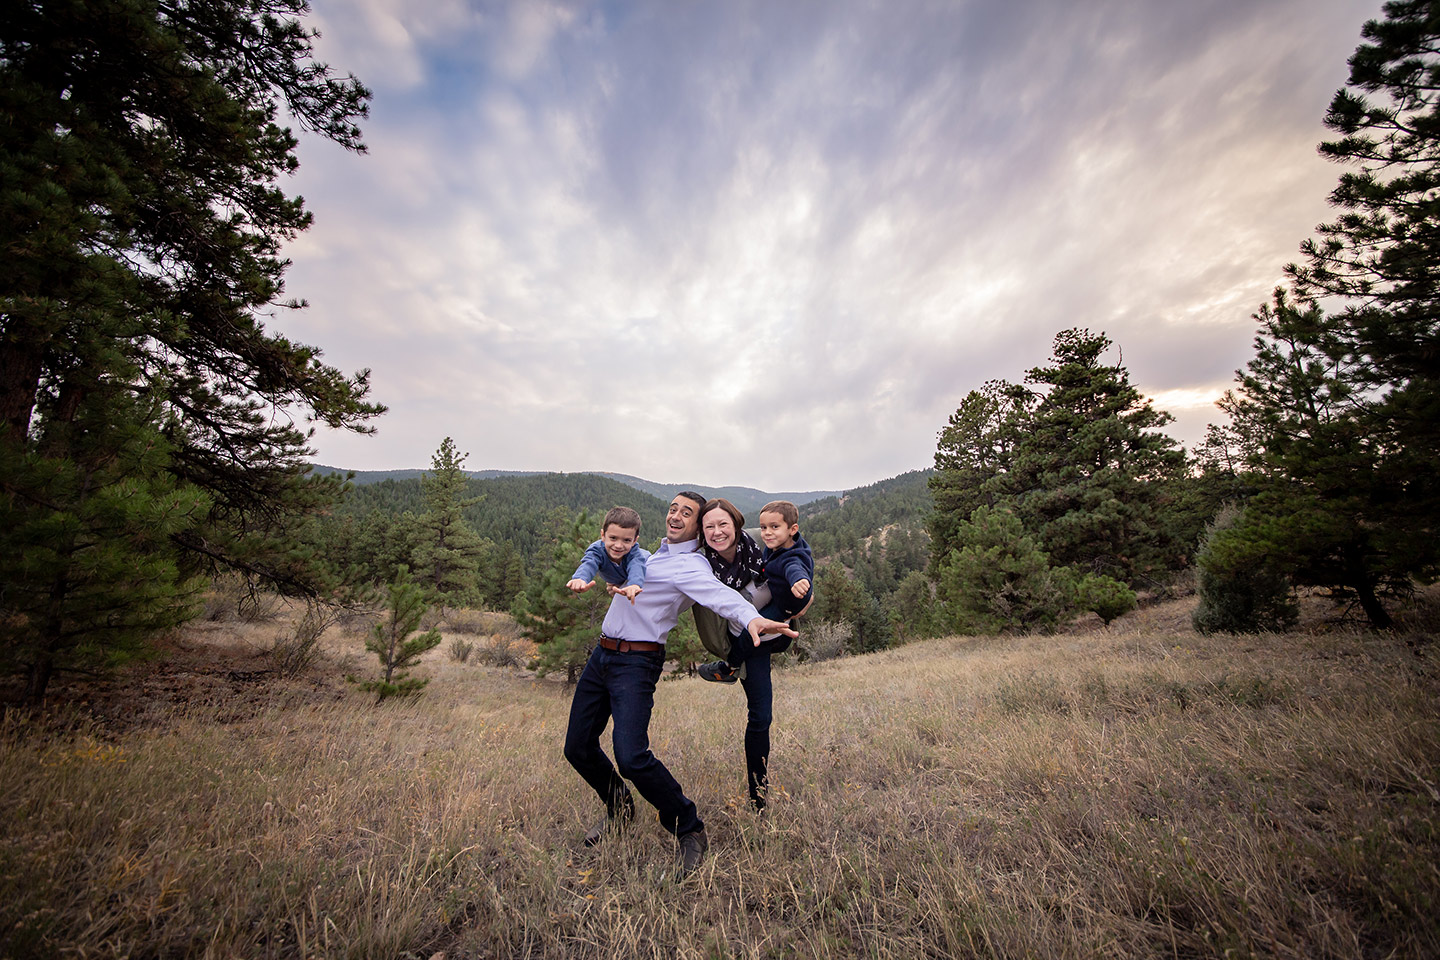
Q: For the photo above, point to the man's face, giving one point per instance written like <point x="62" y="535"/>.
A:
<point x="682" y="522"/>
<point x="618" y="541"/>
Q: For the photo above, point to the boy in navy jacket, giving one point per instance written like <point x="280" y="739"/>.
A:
<point x="787" y="568"/>
<point x="614" y="556"/>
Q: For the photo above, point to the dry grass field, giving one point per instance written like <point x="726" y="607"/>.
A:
<point x="1133" y="792"/>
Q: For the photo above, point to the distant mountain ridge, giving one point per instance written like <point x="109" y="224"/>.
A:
<point x="748" y="499"/>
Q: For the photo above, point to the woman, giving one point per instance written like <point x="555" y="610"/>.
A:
<point x="735" y="558"/>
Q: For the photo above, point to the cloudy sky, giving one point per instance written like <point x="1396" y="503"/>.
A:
<point x="775" y="243"/>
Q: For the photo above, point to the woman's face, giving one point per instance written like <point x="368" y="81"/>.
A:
<point x="719" y="530"/>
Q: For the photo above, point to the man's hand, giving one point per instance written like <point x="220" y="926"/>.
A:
<point x="580" y="586"/>
<point x="760" y="625"/>
<point x="628" y="592"/>
<point x="800" y="587"/>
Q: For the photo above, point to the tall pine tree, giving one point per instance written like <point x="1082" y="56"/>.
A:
<point x="1380" y="257"/>
<point x="1092" y="471"/>
<point x="1327" y="503"/>
<point x="140" y="237"/>
<point x="447" y="552"/>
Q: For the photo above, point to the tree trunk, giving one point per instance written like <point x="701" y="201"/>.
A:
<point x="19" y="383"/>
<point x="39" y="679"/>
<point x="1364" y="586"/>
<point x="1374" y="609"/>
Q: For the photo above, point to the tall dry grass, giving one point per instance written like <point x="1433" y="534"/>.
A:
<point x="1136" y="792"/>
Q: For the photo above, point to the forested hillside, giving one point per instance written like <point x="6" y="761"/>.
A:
<point x="837" y="523"/>
<point x="748" y="499"/>
<point x="364" y="477"/>
<point x="519" y="510"/>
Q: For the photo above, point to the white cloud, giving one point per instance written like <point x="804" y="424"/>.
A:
<point x="775" y="244"/>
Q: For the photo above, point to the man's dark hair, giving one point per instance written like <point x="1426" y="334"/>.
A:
<point x="699" y="498"/>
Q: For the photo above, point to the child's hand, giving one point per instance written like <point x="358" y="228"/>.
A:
<point x="580" y="586"/>
<point x="800" y="588"/>
<point x="627" y="592"/>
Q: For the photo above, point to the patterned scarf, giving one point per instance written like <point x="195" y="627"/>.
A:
<point x="743" y="570"/>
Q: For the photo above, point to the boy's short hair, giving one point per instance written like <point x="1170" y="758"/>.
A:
<point x="787" y="510"/>
<point x="621" y="517"/>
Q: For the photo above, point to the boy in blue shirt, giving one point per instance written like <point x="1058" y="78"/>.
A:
<point x="614" y="556"/>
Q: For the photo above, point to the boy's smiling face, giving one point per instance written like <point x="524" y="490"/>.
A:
<point x="618" y="540"/>
<point x="776" y="533"/>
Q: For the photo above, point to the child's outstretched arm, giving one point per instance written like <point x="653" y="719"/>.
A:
<point x="584" y="576"/>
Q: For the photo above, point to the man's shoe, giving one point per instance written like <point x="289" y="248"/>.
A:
<point x="717" y="672"/>
<point x="692" y="850"/>
<point x="611" y="825"/>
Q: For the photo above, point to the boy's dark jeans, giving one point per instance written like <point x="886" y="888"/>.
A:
<point x="622" y="686"/>
<point x="742" y="648"/>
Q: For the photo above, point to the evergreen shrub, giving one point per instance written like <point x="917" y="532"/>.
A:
<point x="1242" y="586"/>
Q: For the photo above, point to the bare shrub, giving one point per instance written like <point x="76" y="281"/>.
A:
<point x="460" y="650"/>
<point x="258" y="606"/>
<point x="222" y="600"/>
<point x="824" y="640"/>
<point x="432" y="618"/>
<point x="500" y="651"/>
<point x="464" y="621"/>
<point x="477" y="622"/>
<point x="296" y="652"/>
<point x="358" y="619"/>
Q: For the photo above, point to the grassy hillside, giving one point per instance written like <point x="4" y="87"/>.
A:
<point x="1137" y="792"/>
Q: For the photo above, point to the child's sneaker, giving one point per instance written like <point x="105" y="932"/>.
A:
<point x="718" y="672"/>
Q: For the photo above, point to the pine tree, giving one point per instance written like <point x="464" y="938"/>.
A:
<point x="974" y="456"/>
<point x="564" y="625"/>
<point x="1241" y="580"/>
<point x="1329" y="501"/>
<point x="997" y="578"/>
<point x="912" y="609"/>
<point x="841" y="598"/>
<point x="447" y="552"/>
<point x="392" y="642"/>
<point x="140" y="239"/>
<point x="89" y="570"/>
<point x="1103" y="596"/>
<point x="1089" y="474"/>
<point x="1379" y="257"/>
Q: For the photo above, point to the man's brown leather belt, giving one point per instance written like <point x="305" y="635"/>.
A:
<point x="631" y="646"/>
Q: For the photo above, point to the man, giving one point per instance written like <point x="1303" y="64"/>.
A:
<point x="619" y="682"/>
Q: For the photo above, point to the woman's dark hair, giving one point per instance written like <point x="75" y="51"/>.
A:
<point x="722" y="504"/>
